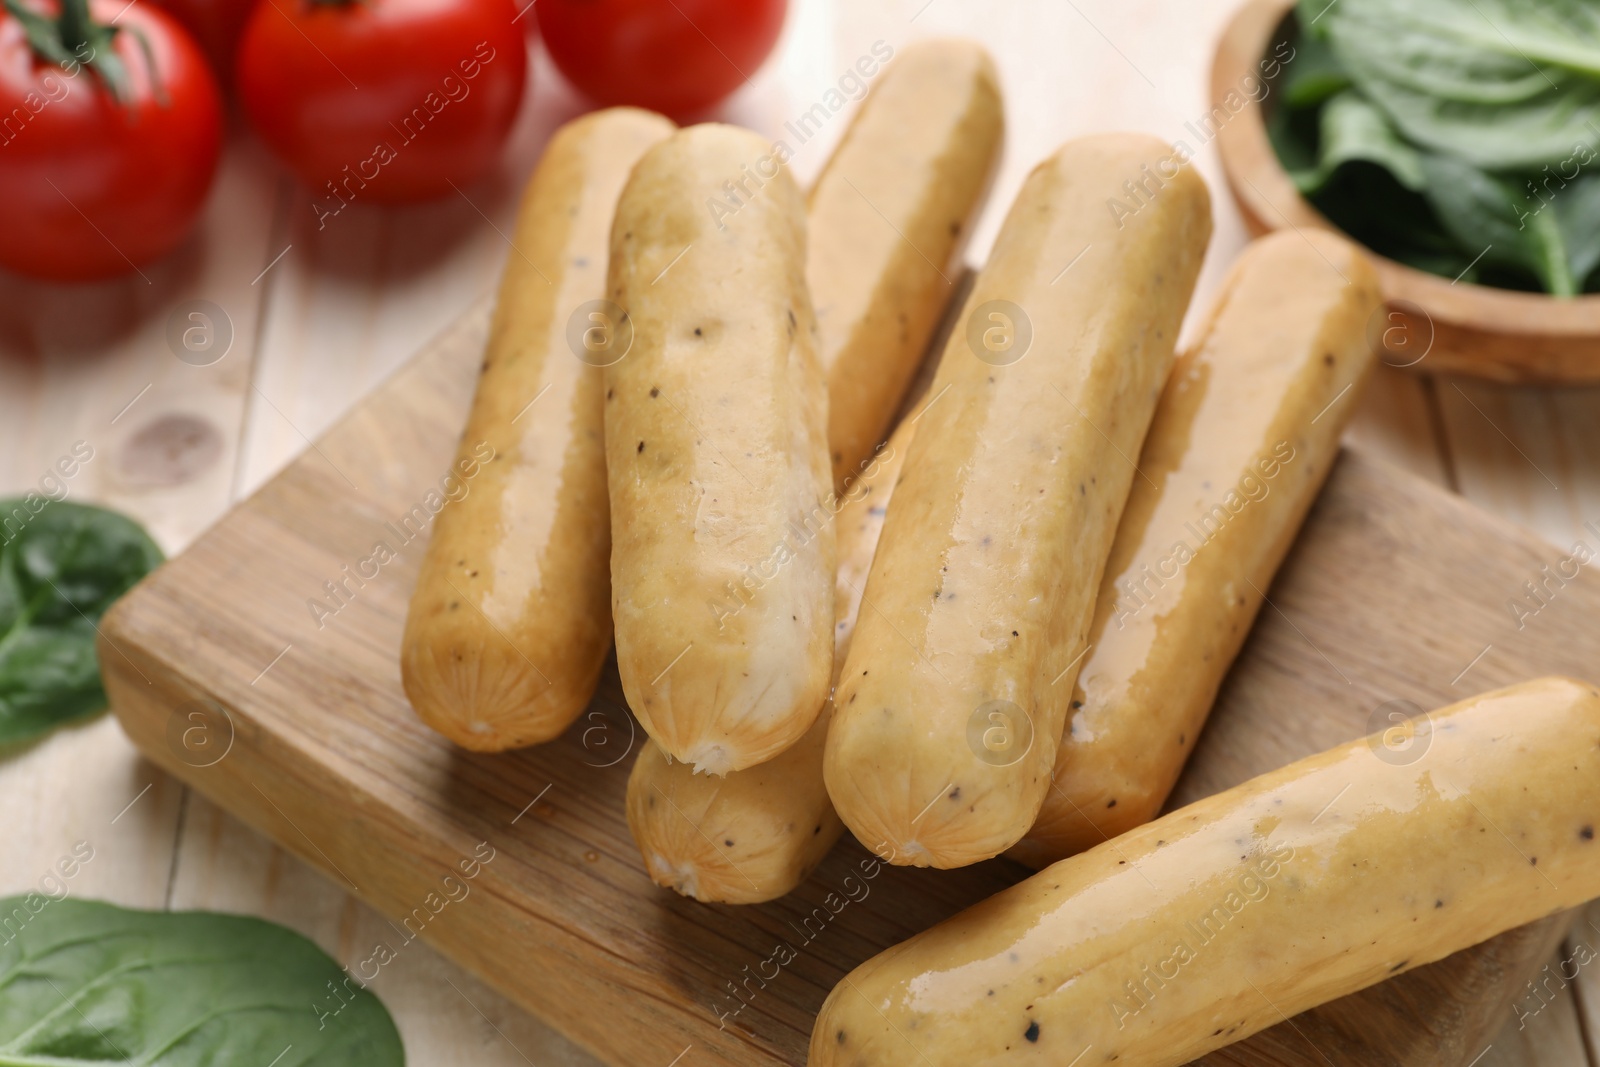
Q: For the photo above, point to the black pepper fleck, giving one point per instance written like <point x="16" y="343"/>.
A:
<point x="1032" y="1032"/>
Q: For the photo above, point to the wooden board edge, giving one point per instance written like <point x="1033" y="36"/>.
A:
<point x="145" y="693"/>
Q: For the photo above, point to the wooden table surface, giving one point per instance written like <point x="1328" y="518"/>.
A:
<point x="318" y="317"/>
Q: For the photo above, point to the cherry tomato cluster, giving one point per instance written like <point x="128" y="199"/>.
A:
<point x="112" y="114"/>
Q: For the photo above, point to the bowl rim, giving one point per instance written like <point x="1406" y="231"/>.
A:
<point x="1270" y="201"/>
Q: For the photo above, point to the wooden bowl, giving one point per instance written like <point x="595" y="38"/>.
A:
<point x="1431" y="324"/>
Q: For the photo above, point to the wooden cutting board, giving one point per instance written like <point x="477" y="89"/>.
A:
<point x="220" y="672"/>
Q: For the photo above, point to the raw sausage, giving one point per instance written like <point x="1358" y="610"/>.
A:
<point x="954" y="694"/>
<point x="722" y="534"/>
<point x="1246" y="432"/>
<point x="510" y="621"/>
<point x="755" y="834"/>
<point x="1253" y="905"/>
<point x="920" y="148"/>
<point x="888" y="217"/>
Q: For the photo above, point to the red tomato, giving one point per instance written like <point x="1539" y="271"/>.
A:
<point x="216" y="25"/>
<point x="383" y="100"/>
<point x="91" y="186"/>
<point x="678" y="57"/>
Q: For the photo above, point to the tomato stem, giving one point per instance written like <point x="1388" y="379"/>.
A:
<point x="73" y="39"/>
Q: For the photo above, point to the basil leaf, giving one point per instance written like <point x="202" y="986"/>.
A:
<point x="88" y="983"/>
<point x="61" y="566"/>
<point x="1351" y="129"/>
<point x="1505" y="84"/>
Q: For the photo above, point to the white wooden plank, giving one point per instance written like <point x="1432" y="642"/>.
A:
<point x="92" y="364"/>
<point x="1528" y="453"/>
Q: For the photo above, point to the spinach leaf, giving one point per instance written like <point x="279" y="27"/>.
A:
<point x="88" y="983"/>
<point x="1488" y="215"/>
<point x="61" y="566"/>
<point x="1577" y="208"/>
<point x="1308" y="14"/>
<point x="1315" y="73"/>
<point x="1504" y="84"/>
<point x="1352" y="129"/>
<point x="1367" y="203"/>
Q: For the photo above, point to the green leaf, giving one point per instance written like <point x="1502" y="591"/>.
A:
<point x="1315" y="73"/>
<point x="1309" y="13"/>
<point x="1577" y="209"/>
<point x="61" y="566"/>
<point x="1504" y="84"/>
<point x="1490" y="219"/>
<point x="1352" y="129"/>
<point x="88" y="983"/>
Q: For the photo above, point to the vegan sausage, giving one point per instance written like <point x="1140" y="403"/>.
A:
<point x="510" y="621"/>
<point x="1246" y="432"/>
<point x="716" y="457"/>
<point x="1253" y="905"/>
<point x="955" y="691"/>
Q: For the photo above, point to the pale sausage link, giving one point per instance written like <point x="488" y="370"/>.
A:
<point x="755" y="834"/>
<point x="1246" y="432"/>
<point x="722" y="539"/>
<point x="1227" y="916"/>
<point x="510" y="621"/>
<point x="888" y="216"/>
<point x="921" y="148"/>
<point x="955" y="691"/>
